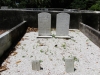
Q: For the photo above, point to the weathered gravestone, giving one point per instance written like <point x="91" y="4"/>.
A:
<point x="62" y="25"/>
<point x="69" y="65"/>
<point x="4" y="7"/>
<point x="36" y="65"/>
<point x="44" y="24"/>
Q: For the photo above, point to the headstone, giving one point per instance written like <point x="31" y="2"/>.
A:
<point x="69" y="65"/>
<point x="62" y="25"/>
<point x="44" y="24"/>
<point x="45" y="9"/>
<point x="4" y="7"/>
<point x="36" y="65"/>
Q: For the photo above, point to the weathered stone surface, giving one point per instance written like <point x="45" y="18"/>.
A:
<point x="11" y="36"/>
<point x="4" y="7"/>
<point x="69" y="65"/>
<point x="36" y="65"/>
<point x="44" y="24"/>
<point x="62" y="24"/>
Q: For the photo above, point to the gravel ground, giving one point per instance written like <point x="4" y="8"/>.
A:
<point x="52" y="52"/>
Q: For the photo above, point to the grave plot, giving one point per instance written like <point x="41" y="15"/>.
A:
<point x="51" y="54"/>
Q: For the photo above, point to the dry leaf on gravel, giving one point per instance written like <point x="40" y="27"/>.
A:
<point x="3" y="68"/>
<point x="14" y="53"/>
<point x="6" y="61"/>
<point x="29" y="29"/>
<point x="22" y="39"/>
<point x="35" y="29"/>
<point x="41" y="44"/>
<point x="72" y="30"/>
<point x="18" y="62"/>
<point x="18" y="43"/>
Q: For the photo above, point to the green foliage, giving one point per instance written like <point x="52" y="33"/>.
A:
<point x="74" y="57"/>
<point x="79" y="4"/>
<point x="22" y="4"/>
<point x="63" y="58"/>
<point x="23" y="56"/>
<point x="39" y="3"/>
<point x="53" y="35"/>
<point x="41" y="51"/>
<point x="96" y="6"/>
<point x="73" y="4"/>
<point x="64" y="45"/>
<point x="40" y="61"/>
<point x="6" y="2"/>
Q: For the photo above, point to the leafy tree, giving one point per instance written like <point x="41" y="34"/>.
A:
<point x="22" y="4"/>
<point x="9" y="3"/>
<point x="74" y="4"/>
<point x="79" y="4"/>
<point x="96" y="6"/>
<point x="6" y="2"/>
<point x="35" y="3"/>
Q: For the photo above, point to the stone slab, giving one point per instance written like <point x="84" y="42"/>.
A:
<point x="69" y="65"/>
<point x="66" y="37"/>
<point x="6" y="39"/>
<point x="36" y="65"/>
<point x="62" y="24"/>
<point x="44" y="24"/>
<point x="4" y="7"/>
<point x="44" y="37"/>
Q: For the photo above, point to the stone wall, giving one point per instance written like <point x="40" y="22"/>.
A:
<point x="11" y="17"/>
<point x="91" y="19"/>
<point x="10" y="37"/>
<point x="91" y="33"/>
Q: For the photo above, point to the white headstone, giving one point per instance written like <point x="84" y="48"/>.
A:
<point x="62" y="24"/>
<point x="44" y="24"/>
<point x="4" y="7"/>
<point x="36" y="65"/>
<point x="69" y="65"/>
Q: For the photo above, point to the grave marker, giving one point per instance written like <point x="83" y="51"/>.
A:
<point x="62" y="25"/>
<point x="69" y="65"/>
<point x="4" y="7"/>
<point x="44" y="24"/>
<point x="36" y="65"/>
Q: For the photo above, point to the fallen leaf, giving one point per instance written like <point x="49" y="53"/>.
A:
<point x="3" y="68"/>
<point x="14" y="53"/>
<point x="18" y="43"/>
<point x="30" y="29"/>
<point x="35" y="29"/>
<point x="72" y="30"/>
<point x="7" y="62"/>
<point x="18" y="62"/>
<point x="22" y="39"/>
<point x="41" y="44"/>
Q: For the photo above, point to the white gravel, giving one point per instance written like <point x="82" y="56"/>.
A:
<point x="52" y="51"/>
